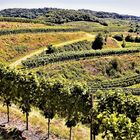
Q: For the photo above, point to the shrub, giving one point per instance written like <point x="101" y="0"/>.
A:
<point x="129" y="38"/>
<point x="123" y="44"/>
<point x="99" y="42"/>
<point x="137" y="39"/>
<point x="113" y="68"/>
<point x="51" y="49"/>
<point x="118" y="37"/>
<point x="131" y="30"/>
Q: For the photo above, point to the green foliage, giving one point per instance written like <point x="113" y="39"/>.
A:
<point x="137" y="39"/>
<point x="10" y="133"/>
<point x="26" y="89"/>
<point x="99" y="42"/>
<point x="119" y="82"/>
<point x="118" y="114"/>
<point x="118" y="127"/>
<point x="50" y="49"/>
<point x="37" y="30"/>
<point x="44" y="59"/>
<point x="118" y="37"/>
<point x="129" y="38"/>
<point x="52" y="15"/>
<point x="21" y="49"/>
<point x="124" y="44"/>
<point x="96" y="27"/>
<point x="135" y="28"/>
<point x="7" y="87"/>
<point x="78" y="46"/>
<point x="61" y="16"/>
<point x="113" y="67"/>
<point x="131" y="30"/>
<point x="121" y="103"/>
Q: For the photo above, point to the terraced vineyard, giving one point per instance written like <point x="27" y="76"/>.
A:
<point x="78" y="78"/>
<point x="44" y="59"/>
<point x="121" y="82"/>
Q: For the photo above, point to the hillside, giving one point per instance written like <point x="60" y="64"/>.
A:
<point x="101" y="14"/>
<point x="51" y="15"/>
<point x="69" y="74"/>
<point x="56" y="15"/>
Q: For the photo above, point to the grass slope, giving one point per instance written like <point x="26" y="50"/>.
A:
<point x="96" y="69"/>
<point x="15" y="46"/>
<point x="18" y="25"/>
<point x="113" y="26"/>
<point x="86" y="37"/>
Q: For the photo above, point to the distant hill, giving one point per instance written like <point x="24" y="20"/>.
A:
<point x="102" y="14"/>
<point x="59" y="16"/>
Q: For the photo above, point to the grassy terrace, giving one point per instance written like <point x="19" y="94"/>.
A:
<point x="17" y="25"/>
<point x="13" y="47"/>
<point x="95" y="70"/>
<point x="114" y="26"/>
<point x="37" y="30"/>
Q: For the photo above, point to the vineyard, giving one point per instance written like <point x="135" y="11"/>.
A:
<point x="19" y="31"/>
<point x="51" y="98"/>
<point x="44" y="59"/>
<point x="78" y="46"/>
<point x="69" y="75"/>
<point x="121" y="82"/>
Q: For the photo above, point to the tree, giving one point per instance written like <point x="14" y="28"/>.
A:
<point x="44" y="101"/>
<point x="98" y="43"/>
<point x="69" y="101"/>
<point x="137" y="39"/>
<point x="90" y="118"/>
<point x="118" y="37"/>
<point x="129" y="38"/>
<point x="113" y="116"/>
<point x="123" y="44"/>
<point x="76" y="107"/>
<point x="26" y="92"/>
<point x="50" y="49"/>
<point x="50" y="99"/>
<point x="7" y="87"/>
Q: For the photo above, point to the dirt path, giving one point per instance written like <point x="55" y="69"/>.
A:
<point x="18" y="62"/>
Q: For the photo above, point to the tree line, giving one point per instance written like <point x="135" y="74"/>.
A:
<point x="64" y="15"/>
<point x="102" y="14"/>
<point x="114" y="116"/>
<point x="128" y="38"/>
<point x="52" y="15"/>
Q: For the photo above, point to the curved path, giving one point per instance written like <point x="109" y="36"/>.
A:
<point x="18" y="62"/>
